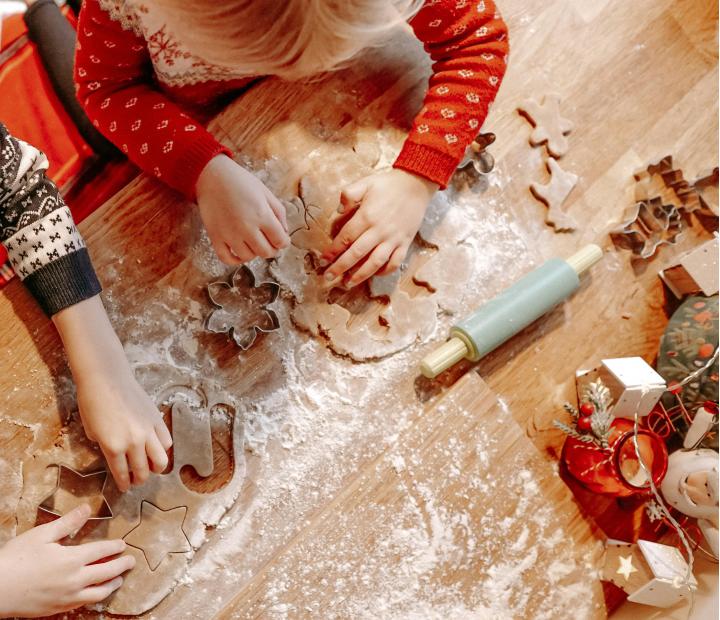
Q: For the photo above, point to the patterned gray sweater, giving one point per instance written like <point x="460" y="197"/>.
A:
<point x="44" y="247"/>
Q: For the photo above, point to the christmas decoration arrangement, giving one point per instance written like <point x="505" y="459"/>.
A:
<point x="649" y="435"/>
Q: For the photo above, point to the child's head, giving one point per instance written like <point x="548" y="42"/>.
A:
<point x="290" y="38"/>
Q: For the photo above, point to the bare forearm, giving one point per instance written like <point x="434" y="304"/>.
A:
<point x="90" y="342"/>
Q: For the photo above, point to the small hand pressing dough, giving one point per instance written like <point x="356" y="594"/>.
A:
<point x="309" y="176"/>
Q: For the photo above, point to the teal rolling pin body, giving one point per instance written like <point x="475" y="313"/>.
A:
<point x="515" y="308"/>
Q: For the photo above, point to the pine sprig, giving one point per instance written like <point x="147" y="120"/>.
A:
<point x="598" y="395"/>
<point x="574" y="413"/>
<point x="602" y="417"/>
<point x="569" y="430"/>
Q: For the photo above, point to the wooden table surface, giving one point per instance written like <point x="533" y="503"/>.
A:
<point x="388" y="506"/>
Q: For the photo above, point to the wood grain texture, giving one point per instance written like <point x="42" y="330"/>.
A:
<point x="638" y="80"/>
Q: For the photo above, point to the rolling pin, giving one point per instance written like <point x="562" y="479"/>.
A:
<point x="511" y="311"/>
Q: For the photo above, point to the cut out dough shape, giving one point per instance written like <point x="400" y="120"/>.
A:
<point x="549" y="126"/>
<point x="191" y="405"/>
<point x="554" y="194"/>
<point x="159" y="533"/>
<point x="74" y="489"/>
<point x="309" y="177"/>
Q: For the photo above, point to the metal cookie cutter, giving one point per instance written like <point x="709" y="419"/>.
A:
<point x="241" y="307"/>
<point x="649" y="224"/>
<point x="74" y="489"/>
<point x="476" y="155"/>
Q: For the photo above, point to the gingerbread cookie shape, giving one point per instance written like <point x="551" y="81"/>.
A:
<point x="554" y="193"/>
<point x="549" y="126"/>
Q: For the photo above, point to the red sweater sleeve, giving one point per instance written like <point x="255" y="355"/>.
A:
<point x="113" y="78"/>
<point x="467" y="41"/>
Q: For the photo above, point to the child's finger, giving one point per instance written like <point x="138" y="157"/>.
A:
<point x="396" y="258"/>
<point x="242" y="252"/>
<point x="347" y="235"/>
<point x="119" y="470"/>
<point x="105" y="571"/>
<point x="355" y="253"/>
<point x="352" y="194"/>
<point x="158" y="456"/>
<point x="261" y="246"/>
<point x="163" y="435"/>
<point x="95" y="594"/>
<point x="225" y="255"/>
<point x="65" y="526"/>
<point x="275" y="234"/>
<point x="94" y="551"/>
<point x="377" y="259"/>
<point x="138" y="464"/>
<point x="279" y="211"/>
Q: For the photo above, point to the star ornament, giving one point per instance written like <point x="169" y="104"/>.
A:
<point x="159" y="533"/>
<point x="241" y="307"/>
<point x="626" y="567"/>
<point x="74" y="489"/>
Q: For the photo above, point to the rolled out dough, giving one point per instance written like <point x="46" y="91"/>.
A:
<point x="392" y="312"/>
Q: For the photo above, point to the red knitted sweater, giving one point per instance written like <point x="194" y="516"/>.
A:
<point x="136" y="83"/>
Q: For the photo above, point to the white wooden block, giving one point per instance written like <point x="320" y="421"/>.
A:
<point x="670" y="572"/>
<point x="633" y="384"/>
<point x="694" y="272"/>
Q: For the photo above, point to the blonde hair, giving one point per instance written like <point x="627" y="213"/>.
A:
<point x="289" y="38"/>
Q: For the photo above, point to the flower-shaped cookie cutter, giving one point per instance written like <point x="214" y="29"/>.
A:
<point x="241" y="307"/>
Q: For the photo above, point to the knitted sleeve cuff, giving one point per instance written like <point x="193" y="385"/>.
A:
<point x="64" y="282"/>
<point x="426" y="162"/>
<point x="187" y="168"/>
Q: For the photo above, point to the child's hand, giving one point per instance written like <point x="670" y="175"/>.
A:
<point x="118" y="414"/>
<point x="40" y="577"/>
<point x="242" y="217"/>
<point x="389" y="207"/>
<point x="115" y="410"/>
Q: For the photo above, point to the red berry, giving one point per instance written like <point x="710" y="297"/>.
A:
<point x="584" y="423"/>
<point x="587" y="408"/>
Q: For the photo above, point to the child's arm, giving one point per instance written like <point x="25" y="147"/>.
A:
<point x="49" y="255"/>
<point x="116" y="412"/>
<point x="467" y="40"/>
<point x="115" y="86"/>
<point x="40" y="577"/>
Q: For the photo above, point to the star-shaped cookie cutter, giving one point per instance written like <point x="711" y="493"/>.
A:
<point x="71" y="490"/>
<point x="241" y="307"/>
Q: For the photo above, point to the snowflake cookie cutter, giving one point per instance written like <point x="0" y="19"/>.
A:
<point x="73" y="489"/>
<point x="241" y="307"/>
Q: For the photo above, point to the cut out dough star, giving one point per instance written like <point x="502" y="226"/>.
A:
<point x="159" y="533"/>
<point x="74" y="489"/>
<point x="626" y="567"/>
